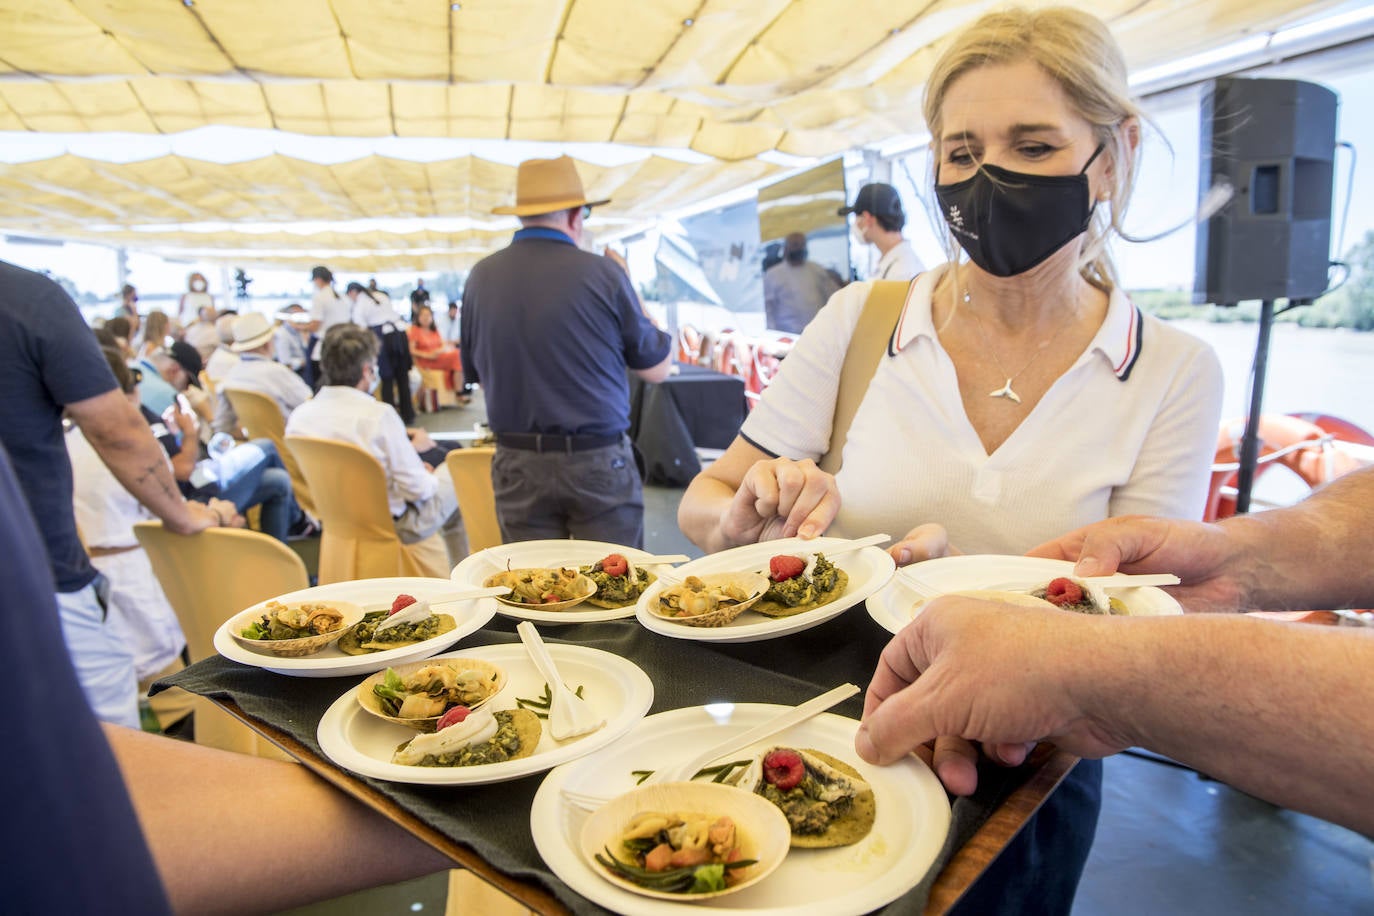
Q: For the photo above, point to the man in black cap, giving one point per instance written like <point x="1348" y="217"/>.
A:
<point x="794" y="289"/>
<point x="878" y="221"/>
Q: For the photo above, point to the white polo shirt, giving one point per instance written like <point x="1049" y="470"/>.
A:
<point x="258" y="373"/>
<point x="900" y="263"/>
<point x="1130" y="427"/>
<point x="352" y="416"/>
<point x="328" y="309"/>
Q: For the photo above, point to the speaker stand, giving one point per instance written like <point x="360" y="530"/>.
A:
<point x="1249" y="442"/>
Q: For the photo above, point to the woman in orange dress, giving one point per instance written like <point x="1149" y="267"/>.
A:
<point x="428" y="349"/>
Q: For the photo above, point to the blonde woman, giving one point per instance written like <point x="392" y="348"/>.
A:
<point x="1021" y="394"/>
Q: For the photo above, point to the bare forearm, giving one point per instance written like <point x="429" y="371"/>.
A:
<point x="232" y="833"/>
<point x="1278" y="710"/>
<point x="126" y="445"/>
<point x="1314" y="555"/>
<point x="701" y="510"/>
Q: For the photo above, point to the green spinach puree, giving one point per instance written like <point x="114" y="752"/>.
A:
<point x="504" y="745"/>
<point x="805" y="812"/>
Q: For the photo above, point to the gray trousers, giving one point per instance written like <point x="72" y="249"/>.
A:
<point x="593" y="495"/>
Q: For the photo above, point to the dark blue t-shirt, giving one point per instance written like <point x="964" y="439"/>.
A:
<point x="70" y="838"/>
<point x="48" y="358"/>
<point x="549" y="330"/>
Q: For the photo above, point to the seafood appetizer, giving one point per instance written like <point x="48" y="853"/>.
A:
<point x="685" y="840"/>
<point x="619" y="583"/>
<point x="408" y="622"/>
<point x="710" y="600"/>
<point x="294" y="630"/>
<point x="464" y="737"/>
<point x="684" y="853"/>
<point x="546" y="589"/>
<point x="797" y="585"/>
<point x="1069" y="595"/>
<point x="826" y="802"/>
<point x="418" y="695"/>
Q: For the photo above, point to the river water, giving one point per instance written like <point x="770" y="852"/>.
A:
<point x="1318" y="370"/>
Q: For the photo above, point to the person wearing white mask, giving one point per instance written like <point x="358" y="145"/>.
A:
<point x="196" y="298"/>
<point x="878" y="221"/>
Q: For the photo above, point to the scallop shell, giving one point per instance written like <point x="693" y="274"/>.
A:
<point x="509" y="578"/>
<point x="370" y="702"/>
<point x="762" y="829"/>
<point x="294" y="648"/>
<point x="753" y="583"/>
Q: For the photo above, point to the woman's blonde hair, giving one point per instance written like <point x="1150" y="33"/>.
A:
<point x="1079" y="53"/>
<point x="156" y="326"/>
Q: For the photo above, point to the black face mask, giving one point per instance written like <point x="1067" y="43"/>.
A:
<point x="1008" y="222"/>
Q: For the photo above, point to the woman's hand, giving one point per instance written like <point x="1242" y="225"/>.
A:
<point x="780" y="498"/>
<point x="924" y="542"/>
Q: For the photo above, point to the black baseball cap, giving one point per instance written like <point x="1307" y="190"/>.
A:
<point x="878" y="199"/>
<point x="188" y="357"/>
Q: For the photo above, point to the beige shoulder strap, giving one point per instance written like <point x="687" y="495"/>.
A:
<point x="866" y="348"/>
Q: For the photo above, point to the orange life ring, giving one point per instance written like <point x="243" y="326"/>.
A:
<point x="1278" y="433"/>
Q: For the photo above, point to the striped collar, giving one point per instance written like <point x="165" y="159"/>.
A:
<point x="1118" y="340"/>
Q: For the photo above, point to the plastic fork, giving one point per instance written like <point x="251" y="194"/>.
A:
<point x="688" y="768"/>
<point x="569" y="714"/>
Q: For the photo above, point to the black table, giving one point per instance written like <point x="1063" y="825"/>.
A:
<point x="486" y="828"/>
<point x="697" y="407"/>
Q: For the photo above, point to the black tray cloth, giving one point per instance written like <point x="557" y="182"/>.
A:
<point x="493" y="819"/>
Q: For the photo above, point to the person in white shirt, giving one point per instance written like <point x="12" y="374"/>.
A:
<point x="289" y="342"/>
<point x="257" y="371"/>
<point x="372" y="310"/>
<point x="202" y="333"/>
<point x="420" y="496"/>
<point x="878" y="221"/>
<point x="218" y="363"/>
<point x="326" y="310"/>
<point x="195" y="300"/>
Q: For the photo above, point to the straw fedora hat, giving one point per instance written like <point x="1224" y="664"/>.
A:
<point x="547" y="186"/>
<point x="251" y="331"/>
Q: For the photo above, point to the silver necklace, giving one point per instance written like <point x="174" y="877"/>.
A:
<point x="1006" y="390"/>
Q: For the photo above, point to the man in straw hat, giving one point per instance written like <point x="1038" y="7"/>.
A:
<point x="549" y="331"/>
<point x="254" y="334"/>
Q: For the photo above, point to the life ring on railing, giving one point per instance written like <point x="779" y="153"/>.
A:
<point x="1312" y="446"/>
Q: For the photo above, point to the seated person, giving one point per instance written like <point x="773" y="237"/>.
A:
<point x="421" y="495"/>
<point x="430" y="351"/>
<point x="290" y="344"/>
<point x="202" y="333"/>
<point x="180" y="367"/>
<point x="105" y="514"/>
<point x="222" y="358"/>
<point x="257" y="371"/>
<point x="123" y="332"/>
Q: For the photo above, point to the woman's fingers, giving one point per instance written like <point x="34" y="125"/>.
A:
<point x="924" y="542"/>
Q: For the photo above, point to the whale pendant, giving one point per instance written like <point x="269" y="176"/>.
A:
<point x="1006" y="392"/>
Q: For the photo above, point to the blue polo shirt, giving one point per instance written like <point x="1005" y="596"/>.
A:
<point x="48" y="358"/>
<point x="549" y="331"/>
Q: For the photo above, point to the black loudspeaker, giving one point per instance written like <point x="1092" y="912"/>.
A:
<point x="1275" y="142"/>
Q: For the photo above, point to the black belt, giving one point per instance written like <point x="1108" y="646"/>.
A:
<point x="553" y="442"/>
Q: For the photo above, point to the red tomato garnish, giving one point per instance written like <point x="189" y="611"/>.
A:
<point x="401" y="603"/>
<point x="784" y="567"/>
<point x="615" y="565"/>
<point x="784" y="769"/>
<point x="452" y="717"/>
<point x="1063" y="592"/>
